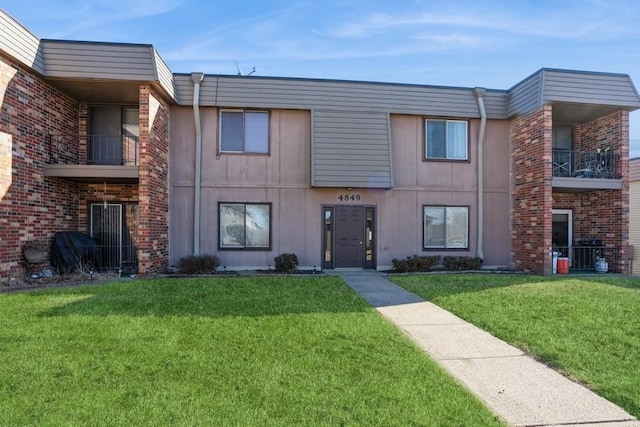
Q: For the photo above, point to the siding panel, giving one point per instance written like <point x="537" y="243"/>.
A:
<point x="93" y="60"/>
<point x="265" y="92"/>
<point x="20" y="43"/>
<point x="163" y="75"/>
<point x="589" y="88"/>
<point x="525" y="96"/>
<point x="351" y="149"/>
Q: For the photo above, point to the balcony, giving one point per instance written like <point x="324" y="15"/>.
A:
<point x="576" y="171"/>
<point x="103" y="158"/>
<point x="583" y="259"/>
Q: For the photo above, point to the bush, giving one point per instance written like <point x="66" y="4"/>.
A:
<point x="460" y="263"/>
<point x="415" y="263"/>
<point x="286" y="263"/>
<point x="198" y="264"/>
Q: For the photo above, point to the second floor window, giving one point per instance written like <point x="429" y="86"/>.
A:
<point x="446" y="139"/>
<point x="244" y="131"/>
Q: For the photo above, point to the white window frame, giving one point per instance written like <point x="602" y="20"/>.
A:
<point x="447" y="245"/>
<point x="448" y="155"/>
<point x="260" y="133"/>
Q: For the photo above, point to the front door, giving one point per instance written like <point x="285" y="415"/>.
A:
<point x="349" y="237"/>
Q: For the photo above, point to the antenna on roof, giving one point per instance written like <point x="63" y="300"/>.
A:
<point x="240" y="73"/>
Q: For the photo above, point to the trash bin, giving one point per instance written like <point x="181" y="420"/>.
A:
<point x="563" y="265"/>
<point x="554" y="257"/>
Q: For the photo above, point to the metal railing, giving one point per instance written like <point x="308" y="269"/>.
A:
<point x="599" y="164"/>
<point x="585" y="258"/>
<point x="98" y="258"/>
<point x="99" y="150"/>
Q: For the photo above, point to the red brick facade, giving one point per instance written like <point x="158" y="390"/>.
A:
<point x="599" y="214"/>
<point x="40" y="125"/>
<point x="31" y="206"/>
<point x="603" y="214"/>
<point x="154" y="183"/>
<point x="531" y="191"/>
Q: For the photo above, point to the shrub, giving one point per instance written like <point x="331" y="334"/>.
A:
<point x="286" y="263"/>
<point x="198" y="264"/>
<point x="415" y="263"/>
<point x="460" y="263"/>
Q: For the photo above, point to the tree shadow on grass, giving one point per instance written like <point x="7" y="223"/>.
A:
<point x="208" y="297"/>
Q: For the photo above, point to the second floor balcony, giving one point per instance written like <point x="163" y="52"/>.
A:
<point x="109" y="158"/>
<point x="586" y="170"/>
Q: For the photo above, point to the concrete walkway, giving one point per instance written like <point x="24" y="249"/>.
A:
<point x="518" y="389"/>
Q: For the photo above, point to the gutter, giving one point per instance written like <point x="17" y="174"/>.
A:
<point x="197" y="78"/>
<point x="479" y="93"/>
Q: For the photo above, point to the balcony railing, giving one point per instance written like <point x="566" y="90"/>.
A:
<point x="599" y="164"/>
<point x="584" y="258"/>
<point x="100" y="150"/>
<point x="98" y="258"/>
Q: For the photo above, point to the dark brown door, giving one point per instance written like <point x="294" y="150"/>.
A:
<point x="349" y="237"/>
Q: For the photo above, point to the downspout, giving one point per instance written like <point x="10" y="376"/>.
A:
<point x="197" y="78"/>
<point x="479" y="93"/>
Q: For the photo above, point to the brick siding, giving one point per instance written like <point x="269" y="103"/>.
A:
<point x="531" y="197"/>
<point x="153" y="214"/>
<point x="603" y="214"/>
<point x="31" y="206"/>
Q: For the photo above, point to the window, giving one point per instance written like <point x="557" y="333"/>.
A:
<point x="244" y="131"/>
<point x="446" y="139"/>
<point x="245" y="226"/>
<point x="446" y="227"/>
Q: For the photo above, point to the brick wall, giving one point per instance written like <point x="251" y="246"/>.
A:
<point x="31" y="206"/>
<point x="153" y="213"/>
<point x="98" y="193"/>
<point x="531" y="197"/>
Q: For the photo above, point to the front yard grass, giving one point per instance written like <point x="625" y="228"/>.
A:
<point x="587" y="327"/>
<point x="220" y="351"/>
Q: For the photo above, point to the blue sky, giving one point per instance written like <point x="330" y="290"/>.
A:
<point x="489" y="43"/>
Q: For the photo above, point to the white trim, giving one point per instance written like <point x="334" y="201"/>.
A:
<point x="569" y="213"/>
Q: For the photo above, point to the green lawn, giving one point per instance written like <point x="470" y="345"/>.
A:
<point x="221" y="351"/>
<point x="586" y="327"/>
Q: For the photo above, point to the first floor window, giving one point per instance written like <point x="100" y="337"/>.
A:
<point x="446" y="227"/>
<point x="245" y="225"/>
<point x="244" y="131"/>
<point x="446" y="139"/>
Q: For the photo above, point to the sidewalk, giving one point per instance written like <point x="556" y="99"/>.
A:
<point x="520" y="390"/>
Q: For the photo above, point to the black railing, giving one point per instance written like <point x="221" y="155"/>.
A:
<point x="586" y="258"/>
<point x="100" y="258"/>
<point x="100" y="150"/>
<point x="600" y="164"/>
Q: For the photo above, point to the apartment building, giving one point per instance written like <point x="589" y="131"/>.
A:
<point x="105" y="139"/>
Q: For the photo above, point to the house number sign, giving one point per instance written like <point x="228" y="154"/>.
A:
<point x="349" y="197"/>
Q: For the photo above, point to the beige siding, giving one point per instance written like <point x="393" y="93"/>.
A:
<point x="20" y="43"/>
<point x="283" y="179"/>
<point x="92" y="60"/>
<point x="351" y="149"/>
